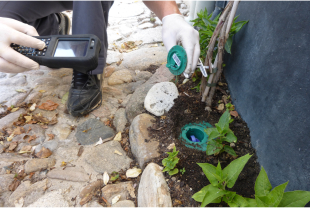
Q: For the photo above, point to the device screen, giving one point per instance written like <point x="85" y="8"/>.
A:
<point x="71" y="48"/>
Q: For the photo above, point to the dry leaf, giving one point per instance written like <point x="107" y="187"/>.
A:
<point x="19" y="130"/>
<point x="40" y="118"/>
<point x="115" y="199"/>
<point x="63" y="164"/>
<point x="10" y="137"/>
<point x="99" y="142"/>
<point x="33" y="137"/>
<point x="163" y="117"/>
<point x="119" y="62"/>
<point x="28" y="118"/>
<point x="105" y="178"/>
<point x="220" y="107"/>
<point x="42" y="91"/>
<point x="234" y="113"/>
<point x="14" y="109"/>
<point x="48" y="105"/>
<point x="86" y="199"/>
<point x="12" y="146"/>
<point x="33" y="107"/>
<point x="25" y="149"/>
<point x="81" y="150"/>
<point x="86" y="130"/>
<point x="171" y="146"/>
<point x="131" y="190"/>
<point x="53" y="120"/>
<point x="117" y="152"/>
<point x="20" y="90"/>
<point x="44" y="153"/>
<point x="44" y="127"/>
<point x="31" y="174"/>
<point x="14" y="185"/>
<point x="118" y="136"/>
<point x="133" y="173"/>
<point x="51" y="136"/>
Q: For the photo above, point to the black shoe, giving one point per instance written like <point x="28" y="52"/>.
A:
<point x="85" y="94"/>
<point x="64" y="24"/>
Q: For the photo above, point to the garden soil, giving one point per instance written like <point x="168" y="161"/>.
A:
<point x="166" y="129"/>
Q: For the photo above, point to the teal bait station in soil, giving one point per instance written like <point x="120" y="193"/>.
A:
<point x="193" y="135"/>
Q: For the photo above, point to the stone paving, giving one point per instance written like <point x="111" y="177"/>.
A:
<point x="71" y="174"/>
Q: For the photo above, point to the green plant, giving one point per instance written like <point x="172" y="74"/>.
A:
<point x="219" y="179"/>
<point x="195" y="78"/>
<point x="114" y="176"/>
<point x="206" y="28"/>
<point x="264" y="196"/>
<point x="218" y="135"/>
<point x="230" y="107"/>
<point x="182" y="170"/>
<point x="170" y="162"/>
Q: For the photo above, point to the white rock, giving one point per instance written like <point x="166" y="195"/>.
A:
<point x="153" y="190"/>
<point x="124" y="203"/>
<point x="160" y="98"/>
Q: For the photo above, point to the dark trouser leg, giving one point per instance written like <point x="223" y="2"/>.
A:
<point x="92" y="18"/>
<point x="88" y="18"/>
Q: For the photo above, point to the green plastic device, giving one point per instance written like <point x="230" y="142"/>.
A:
<point x="177" y="60"/>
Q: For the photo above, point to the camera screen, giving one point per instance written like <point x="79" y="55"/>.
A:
<point x="71" y="48"/>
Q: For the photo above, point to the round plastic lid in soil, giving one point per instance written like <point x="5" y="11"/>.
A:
<point x="177" y="60"/>
<point x="194" y="136"/>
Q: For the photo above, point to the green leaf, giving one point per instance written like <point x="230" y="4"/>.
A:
<point x="206" y="21"/>
<point x="164" y="161"/>
<point x="239" y="25"/>
<point x="199" y="196"/>
<point x="224" y="120"/>
<point x="115" y="177"/>
<point x="213" y="147"/>
<point x="211" y="195"/>
<point x="210" y="130"/>
<point x="214" y="134"/>
<point x="250" y="202"/>
<point x="233" y="170"/>
<point x="229" y="196"/>
<point x="295" y="199"/>
<point x="262" y="184"/>
<point x="174" y="171"/>
<point x="166" y="169"/>
<point x="228" y="44"/>
<point x="274" y="198"/>
<point x="230" y="137"/>
<point x="219" y="171"/>
<point x="236" y="201"/>
<point x="210" y="171"/>
<point x="229" y="150"/>
<point x="219" y="129"/>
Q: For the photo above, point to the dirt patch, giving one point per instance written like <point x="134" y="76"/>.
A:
<point x="188" y="108"/>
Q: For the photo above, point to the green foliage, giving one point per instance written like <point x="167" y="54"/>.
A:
<point x="206" y="29"/>
<point x="230" y="107"/>
<point x="170" y="162"/>
<point x="195" y="78"/>
<point x="218" y="135"/>
<point x="182" y="170"/>
<point x="264" y="195"/>
<point x="114" y="176"/>
<point x="219" y="179"/>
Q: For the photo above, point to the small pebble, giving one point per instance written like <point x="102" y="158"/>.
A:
<point x="182" y="184"/>
<point x="232" y="145"/>
<point x="173" y="179"/>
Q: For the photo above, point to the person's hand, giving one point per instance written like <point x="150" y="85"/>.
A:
<point x="13" y="31"/>
<point x="176" y="29"/>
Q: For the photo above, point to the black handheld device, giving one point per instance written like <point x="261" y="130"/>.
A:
<point x="79" y="52"/>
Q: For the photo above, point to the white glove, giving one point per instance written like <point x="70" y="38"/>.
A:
<point x="13" y="31"/>
<point x="176" y="29"/>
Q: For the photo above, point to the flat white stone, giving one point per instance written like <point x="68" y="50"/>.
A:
<point x="160" y="98"/>
<point x="51" y="199"/>
<point x="151" y="35"/>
